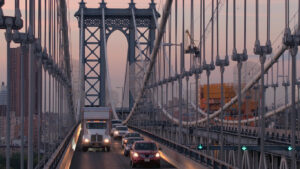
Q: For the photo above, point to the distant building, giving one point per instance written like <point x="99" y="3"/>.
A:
<point x="249" y="105"/>
<point x="3" y="103"/>
<point x="15" y="90"/>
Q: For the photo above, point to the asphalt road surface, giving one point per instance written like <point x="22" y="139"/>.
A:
<point x="107" y="160"/>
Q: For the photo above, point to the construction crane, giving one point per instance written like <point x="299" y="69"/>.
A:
<point x="190" y="48"/>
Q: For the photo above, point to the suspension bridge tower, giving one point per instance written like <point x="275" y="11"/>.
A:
<point x="96" y="25"/>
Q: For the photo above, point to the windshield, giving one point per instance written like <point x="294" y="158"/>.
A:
<point x="116" y="122"/>
<point x="131" y="141"/>
<point x="96" y="125"/>
<point x="133" y="135"/>
<point x="145" y="146"/>
<point x="122" y="128"/>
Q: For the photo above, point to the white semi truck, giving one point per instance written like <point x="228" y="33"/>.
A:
<point x="96" y="128"/>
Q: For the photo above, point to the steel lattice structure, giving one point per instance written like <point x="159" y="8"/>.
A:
<point x="137" y="25"/>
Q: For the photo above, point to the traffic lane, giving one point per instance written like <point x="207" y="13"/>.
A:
<point x="106" y="160"/>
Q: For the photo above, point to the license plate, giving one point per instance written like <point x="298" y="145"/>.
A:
<point x="147" y="160"/>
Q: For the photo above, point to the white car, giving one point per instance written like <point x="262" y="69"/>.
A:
<point x="120" y="131"/>
<point x="113" y="128"/>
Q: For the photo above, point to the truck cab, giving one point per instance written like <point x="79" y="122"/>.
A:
<point x="96" y="127"/>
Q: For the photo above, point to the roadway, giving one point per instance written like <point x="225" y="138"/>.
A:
<point x="106" y="160"/>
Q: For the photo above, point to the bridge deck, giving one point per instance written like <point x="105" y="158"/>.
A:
<point x="106" y="160"/>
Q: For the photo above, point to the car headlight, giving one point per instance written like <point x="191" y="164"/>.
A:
<point x="86" y="140"/>
<point x="157" y="155"/>
<point x="106" y="140"/>
<point x="135" y="155"/>
<point x="116" y="132"/>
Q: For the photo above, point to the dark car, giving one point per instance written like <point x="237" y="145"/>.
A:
<point x="144" y="152"/>
<point x="129" y="143"/>
<point x="128" y="135"/>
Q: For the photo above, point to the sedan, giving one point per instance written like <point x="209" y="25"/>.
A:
<point x="129" y="135"/>
<point x="144" y="152"/>
<point x="129" y="144"/>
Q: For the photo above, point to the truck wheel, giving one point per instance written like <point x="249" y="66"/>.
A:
<point x="108" y="149"/>
<point x="85" y="149"/>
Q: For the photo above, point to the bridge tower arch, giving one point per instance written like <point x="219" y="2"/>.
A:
<point x="138" y="26"/>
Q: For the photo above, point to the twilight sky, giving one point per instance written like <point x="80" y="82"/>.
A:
<point x="117" y="46"/>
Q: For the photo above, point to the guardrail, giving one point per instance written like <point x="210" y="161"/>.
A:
<point x="195" y="155"/>
<point x="56" y="157"/>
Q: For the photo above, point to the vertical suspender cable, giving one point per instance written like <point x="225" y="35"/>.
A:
<point x="26" y="16"/>
<point x="192" y="33"/>
<point x="170" y="63"/>
<point x="222" y="86"/>
<point x="45" y="109"/>
<point x="268" y="20"/>
<point x="49" y="74"/>
<point x="8" y="98"/>
<point x="182" y="69"/>
<point x="234" y="25"/>
<point x="294" y="52"/>
<point x="39" y="99"/>
<point x="23" y="46"/>
<point x="45" y="77"/>
<point x="257" y="21"/>
<point x="40" y="19"/>
<point x="201" y="27"/>
<point x="176" y="31"/>
<point x="81" y="66"/>
<point x="170" y="42"/>
<point x="55" y="61"/>
<point x="293" y="110"/>
<point x="18" y="14"/>
<point x="245" y="26"/>
<point x="239" y="67"/>
<point x="226" y="28"/>
<point x="183" y="31"/>
<point x="45" y="25"/>
<point x="212" y="32"/>
<point x="203" y="30"/>
<point x="31" y="89"/>
<point x="288" y="13"/>
<point x="285" y="17"/>
<point x="226" y="37"/>
<point x="218" y="54"/>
